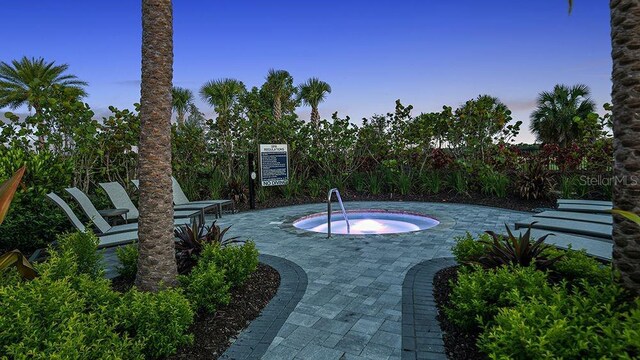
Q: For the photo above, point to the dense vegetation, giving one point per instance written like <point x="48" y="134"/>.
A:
<point x="571" y="309"/>
<point x="465" y="150"/>
<point x="71" y="311"/>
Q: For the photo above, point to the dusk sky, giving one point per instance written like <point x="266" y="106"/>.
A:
<point x="426" y="53"/>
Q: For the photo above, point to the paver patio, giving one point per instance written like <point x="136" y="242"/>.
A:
<point x="352" y="307"/>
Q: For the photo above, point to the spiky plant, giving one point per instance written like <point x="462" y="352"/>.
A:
<point x="520" y="251"/>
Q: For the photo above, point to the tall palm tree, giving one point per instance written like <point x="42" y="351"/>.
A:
<point x="625" y="96"/>
<point x="223" y="94"/>
<point x="553" y="119"/>
<point x="156" y="263"/>
<point x="26" y="82"/>
<point x="278" y="84"/>
<point x="181" y="100"/>
<point x="312" y="93"/>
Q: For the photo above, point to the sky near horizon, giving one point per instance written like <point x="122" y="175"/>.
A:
<point x="425" y="53"/>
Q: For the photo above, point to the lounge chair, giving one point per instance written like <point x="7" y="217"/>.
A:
<point x="102" y="225"/>
<point x="181" y="202"/>
<point x="577" y="216"/>
<point x="106" y="240"/>
<point x="585" y="202"/>
<point x="585" y="208"/>
<point x="121" y="200"/>
<point x="598" y="230"/>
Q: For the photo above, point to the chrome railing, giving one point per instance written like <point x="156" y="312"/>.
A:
<point x="344" y="212"/>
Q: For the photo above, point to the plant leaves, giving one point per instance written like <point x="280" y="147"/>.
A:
<point x="627" y="214"/>
<point x="16" y="258"/>
<point x="8" y="190"/>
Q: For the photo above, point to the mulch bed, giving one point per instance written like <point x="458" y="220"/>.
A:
<point x="459" y="344"/>
<point x="214" y="333"/>
<point x="511" y="202"/>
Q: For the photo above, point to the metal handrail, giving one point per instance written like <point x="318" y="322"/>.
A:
<point x="344" y="212"/>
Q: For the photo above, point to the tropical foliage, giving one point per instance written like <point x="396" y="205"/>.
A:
<point x="557" y="117"/>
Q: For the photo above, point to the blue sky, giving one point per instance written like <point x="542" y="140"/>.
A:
<point x="426" y="53"/>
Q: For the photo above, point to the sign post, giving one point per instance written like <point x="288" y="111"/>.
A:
<point x="252" y="181"/>
<point x="274" y="164"/>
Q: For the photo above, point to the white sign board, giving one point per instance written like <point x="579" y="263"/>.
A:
<point x="274" y="164"/>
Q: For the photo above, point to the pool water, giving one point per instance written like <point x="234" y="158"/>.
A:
<point x="364" y="222"/>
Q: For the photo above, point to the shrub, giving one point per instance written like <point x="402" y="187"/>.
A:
<point x="374" y="183"/>
<point x="477" y="296"/>
<point x="128" y="256"/>
<point x="83" y="248"/>
<point x="359" y="181"/>
<point x="61" y="319"/>
<point x="493" y="183"/>
<point x="431" y="182"/>
<point x="32" y="221"/>
<point x="315" y="187"/>
<point x="576" y="265"/>
<point x="206" y="286"/>
<point x="533" y="181"/>
<point x="237" y="262"/>
<point x="191" y="242"/>
<point x="293" y="188"/>
<point x="161" y="319"/>
<point x="521" y="250"/>
<point x="459" y="182"/>
<point x="403" y="183"/>
<point x="592" y="324"/>
<point x="467" y="248"/>
<point x="566" y="187"/>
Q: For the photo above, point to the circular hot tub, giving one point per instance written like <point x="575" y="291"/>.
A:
<point x="363" y="222"/>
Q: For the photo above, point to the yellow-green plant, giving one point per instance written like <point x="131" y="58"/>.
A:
<point x="15" y="257"/>
<point x="627" y="214"/>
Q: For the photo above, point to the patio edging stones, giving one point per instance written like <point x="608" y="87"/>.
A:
<point x="421" y="333"/>
<point x="254" y="341"/>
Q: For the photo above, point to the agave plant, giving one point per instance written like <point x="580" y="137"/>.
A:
<point x="15" y="257"/>
<point x="521" y="250"/>
<point x="190" y="242"/>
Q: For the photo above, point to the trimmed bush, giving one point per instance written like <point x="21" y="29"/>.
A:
<point x="594" y="324"/>
<point x="83" y="248"/>
<point x="206" y="287"/>
<point x="71" y="312"/>
<point x="468" y="248"/>
<point x="576" y="265"/>
<point x="237" y="261"/>
<point x="57" y="318"/>
<point x="478" y="294"/>
<point x="128" y="256"/>
<point x="161" y="319"/>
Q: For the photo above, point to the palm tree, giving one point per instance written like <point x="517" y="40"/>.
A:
<point x="553" y="119"/>
<point x="312" y="93"/>
<point x="181" y="99"/>
<point x="625" y="96"/>
<point x="278" y="84"/>
<point x="156" y="263"/>
<point x="26" y="82"/>
<point x="223" y="94"/>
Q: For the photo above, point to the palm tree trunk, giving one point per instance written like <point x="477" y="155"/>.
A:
<point x="180" y="117"/>
<point x="277" y="108"/>
<point x="625" y="40"/>
<point x="156" y="264"/>
<point x="315" y="117"/>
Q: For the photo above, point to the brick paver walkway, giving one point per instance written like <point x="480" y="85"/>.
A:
<point x="352" y="308"/>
